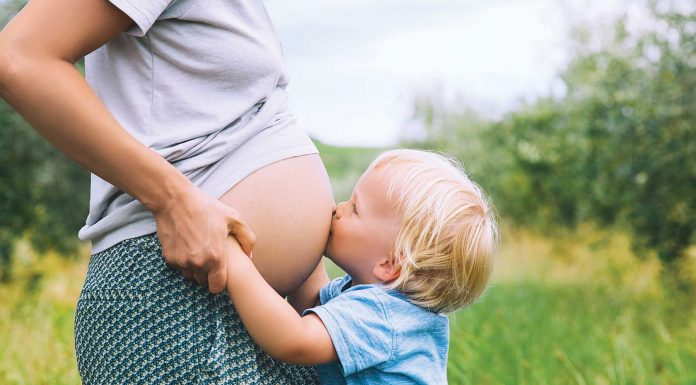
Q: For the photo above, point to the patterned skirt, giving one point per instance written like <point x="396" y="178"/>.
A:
<point x="140" y="322"/>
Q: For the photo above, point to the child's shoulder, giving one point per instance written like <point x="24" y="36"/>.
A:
<point x="391" y="304"/>
<point x="403" y="337"/>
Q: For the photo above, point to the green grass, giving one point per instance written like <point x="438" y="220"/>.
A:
<point x="530" y="333"/>
<point x="37" y="314"/>
<point x="518" y="333"/>
<point x="543" y="321"/>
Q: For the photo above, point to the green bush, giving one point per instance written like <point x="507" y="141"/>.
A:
<point x="619" y="148"/>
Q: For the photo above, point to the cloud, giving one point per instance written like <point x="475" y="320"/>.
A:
<point x="356" y="64"/>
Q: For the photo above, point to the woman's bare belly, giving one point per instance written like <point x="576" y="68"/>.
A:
<point x="288" y="205"/>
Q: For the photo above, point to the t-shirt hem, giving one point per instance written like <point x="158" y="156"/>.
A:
<point x="133" y="230"/>
<point x="221" y="187"/>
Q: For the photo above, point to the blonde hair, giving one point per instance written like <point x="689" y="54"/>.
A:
<point x="447" y="234"/>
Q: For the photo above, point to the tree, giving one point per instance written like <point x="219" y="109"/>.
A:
<point x="618" y="149"/>
<point x="43" y="194"/>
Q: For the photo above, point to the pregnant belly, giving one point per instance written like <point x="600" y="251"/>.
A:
<point x="288" y="205"/>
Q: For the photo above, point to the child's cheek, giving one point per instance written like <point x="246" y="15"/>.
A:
<point x="333" y="250"/>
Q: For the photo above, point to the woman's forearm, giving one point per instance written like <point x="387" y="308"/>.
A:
<point x="52" y="96"/>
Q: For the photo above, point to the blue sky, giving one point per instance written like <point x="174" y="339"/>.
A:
<point x="356" y="65"/>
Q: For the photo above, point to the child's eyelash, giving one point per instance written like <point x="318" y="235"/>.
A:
<point x="355" y="209"/>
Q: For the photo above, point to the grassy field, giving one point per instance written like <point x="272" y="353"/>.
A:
<point x="581" y="309"/>
<point x="582" y="318"/>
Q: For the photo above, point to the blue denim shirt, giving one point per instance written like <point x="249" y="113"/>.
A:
<point x="381" y="337"/>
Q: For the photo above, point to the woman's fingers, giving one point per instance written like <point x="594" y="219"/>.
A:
<point x="193" y="233"/>
<point x="241" y="231"/>
<point x="187" y="273"/>
<point x="217" y="276"/>
<point x="201" y="277"/>
<point x="246" y="239"/>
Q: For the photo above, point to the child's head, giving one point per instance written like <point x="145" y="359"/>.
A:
<point x="421" y="226"/>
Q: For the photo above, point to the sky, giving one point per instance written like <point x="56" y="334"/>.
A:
<point x="355" y="66"/>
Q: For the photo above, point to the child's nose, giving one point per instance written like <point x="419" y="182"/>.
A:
<point x="337" y="211"/>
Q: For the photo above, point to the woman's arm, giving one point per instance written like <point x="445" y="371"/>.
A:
<point x="270" y="320"/>
<point x="38" y="48"/>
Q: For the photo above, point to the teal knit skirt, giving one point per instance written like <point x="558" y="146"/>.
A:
<point x="140" y="322"/>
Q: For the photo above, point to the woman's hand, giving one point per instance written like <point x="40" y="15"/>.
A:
<point x="193" y="229"/>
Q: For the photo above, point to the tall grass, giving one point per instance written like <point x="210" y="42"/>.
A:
<point x="577" y="310"/>
<point x="594" y="314"/>
<point x="37" y="313"/>
<point x="530" y="333"/>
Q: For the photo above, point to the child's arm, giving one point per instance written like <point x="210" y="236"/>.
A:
<point x="270" y="320"/>
<point x="307" y="295"/>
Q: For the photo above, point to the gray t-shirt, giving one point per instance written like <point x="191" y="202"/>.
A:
<point x="202" y="83"/>
<point x="380" y="337"/>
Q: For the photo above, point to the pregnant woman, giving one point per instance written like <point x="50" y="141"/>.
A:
<point x="183" y="120"/>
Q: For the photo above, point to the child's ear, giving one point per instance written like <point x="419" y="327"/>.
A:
<point x="387" y="269"/>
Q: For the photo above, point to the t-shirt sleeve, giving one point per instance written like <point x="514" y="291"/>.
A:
<point x="333" y="289"/>
<point x="143" y="13"/>
<point x="359" y="328"/>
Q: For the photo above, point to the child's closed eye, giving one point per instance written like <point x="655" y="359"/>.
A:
<point x="355" y="208"/>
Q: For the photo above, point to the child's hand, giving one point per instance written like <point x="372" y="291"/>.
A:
<point x="271" y="320"/>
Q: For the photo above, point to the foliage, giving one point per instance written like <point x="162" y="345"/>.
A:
<point x="619" y="148"/>
<point x="43" y="193"/>
<point x="345" y="165"/>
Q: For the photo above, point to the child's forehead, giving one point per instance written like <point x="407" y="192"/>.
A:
<point x="373" y="178"/>
<point x="374" y="184"/>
